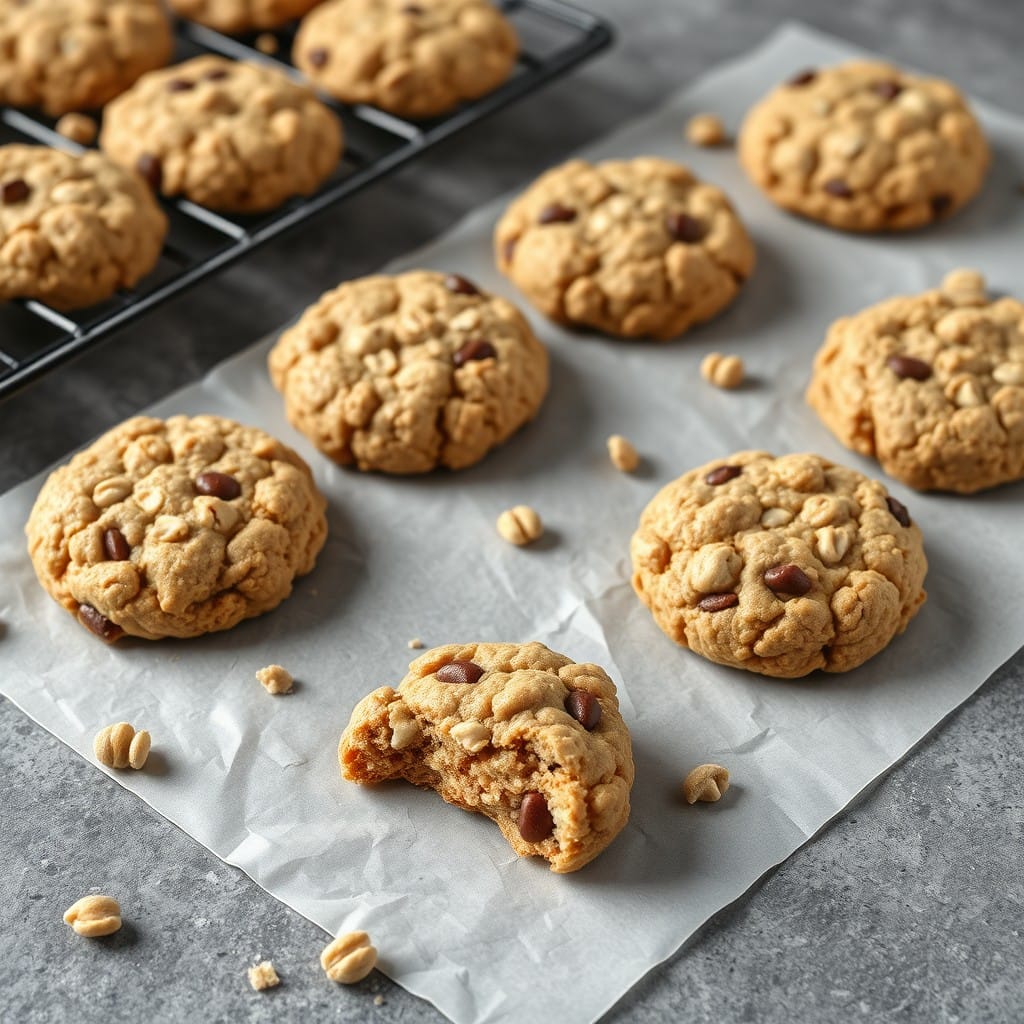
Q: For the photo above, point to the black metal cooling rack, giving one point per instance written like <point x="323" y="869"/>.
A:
<point x="35" y="339"/>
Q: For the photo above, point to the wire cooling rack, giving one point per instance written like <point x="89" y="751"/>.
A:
<point x="35" y="338"/>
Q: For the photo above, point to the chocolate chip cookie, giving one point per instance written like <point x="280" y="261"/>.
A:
<point x="404" y="374"/>
<point x="865" y="146"/>
<point x="635" y="248"/>
<point x="513" y="731"/>
<point x="412" y="59"/>
<point x="175" y="527"/>
<point x="228" y="135"/>
<point x="931" y="385"/>
<point x="779" y="565"/>
<point x="65" y="55"/>
<point x="73" y="229"/>
<point x="242" y="15"/>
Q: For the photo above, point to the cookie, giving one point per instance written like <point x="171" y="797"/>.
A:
<point x="404" y="374"/>
<point x="65" y="55"/>
<point x="635" y="248"/>
<point x="931" y="385"/>
<point x="242" y="15"/>
<point x="779" y="565"/>
<point x="865" y="146"/>
<point x="229" y="135"/>
<point x="412" y="59"/>
<point x="175" y="527"/>
<point x="513" y="731"/>
<point x="73" y="229"/>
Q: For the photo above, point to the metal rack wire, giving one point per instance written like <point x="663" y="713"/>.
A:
<point x="34" y="338"/>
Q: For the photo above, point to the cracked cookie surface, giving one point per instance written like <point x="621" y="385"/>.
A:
<point x="411" y="59"/>
<point x="636" y="248"/>
<point x="65" y="55"/>
<point x="229" y="135"/>
<point x="242" y="15"/>
<point x="931" y="385"/>
<point x="175" y="527"/>
<point x="403" y="374"/>
<point x="864" y="146"/>
<point x="73" y="229"/>
<point x="779" y="565"/>
<point x="514" y="731"/>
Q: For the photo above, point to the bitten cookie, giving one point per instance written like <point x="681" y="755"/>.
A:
<point x="403" y="374"/>
<point x="73" y="229"/>
<point x="865" y="146"/>
<point x="226" y="134"/>
<point x="779" y="565"/>
<point x="175" y="527"/>
<point x="411" y="59"/>
<point x="637" y="248"/>
<point x="513" y="731"/>
<point x="242" y="15"/>
<point x="931" y="385"/>
<point x="65" y="55"/>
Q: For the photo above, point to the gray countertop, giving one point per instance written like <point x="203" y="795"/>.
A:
<point x="906" y="907"/>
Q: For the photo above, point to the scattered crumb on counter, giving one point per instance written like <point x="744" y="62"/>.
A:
<point x="78" y="128"/>
<point x="623" y="455"/>
<point x="722" y="371"/>
<point x="707" y="782"/>
<point x="415" y="644"/>
<point x="266" y="42"/>
<point x="520" y="525"/>
<point x="275" y="679"/>
<point x="263" y="975"/>
<point x="706" y="130"/>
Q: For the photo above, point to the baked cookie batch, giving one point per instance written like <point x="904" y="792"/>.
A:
<point x="779" y="565"/>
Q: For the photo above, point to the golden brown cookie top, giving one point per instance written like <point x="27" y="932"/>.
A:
<point x="865" y="146"/>
<point x="234" y="16"/>
<point x="779" y="565"/>
<point x="932" y="385"/>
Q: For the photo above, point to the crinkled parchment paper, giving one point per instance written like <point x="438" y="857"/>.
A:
<point x="457" y="917"/>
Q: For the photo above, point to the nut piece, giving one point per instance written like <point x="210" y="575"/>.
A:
<point x="78" y="128"/>
<point x="93" y="916"/>
<point x="472" y="735"/>
<point x="622" y="453"/>
<point x="705" y="130"/>
<point x="707" y="782"/>
<point x="275" y="679"/>
<point x="405" y="730"/>
<point x="120" y="746"/>
<point x="263" y="976"/>
<point x="349" y="958"/>
<point x="520" y="525"/>
<point x="722" y="371"/>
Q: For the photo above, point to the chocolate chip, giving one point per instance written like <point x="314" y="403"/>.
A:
<point x="535" y="821"/>
<point x="941" y="203"/>
<point x="584" y="707"/>
<point x="556" y="213"/>
<point x="98" y="624"/>
<point x="412" y="9"/>
<point x="116" y="547"/>
<point x="16" y="191"/>
<point x="180" y="85"/>
<point x="718" y="602"/>
<point x="838" y="188"/>
<point x="459" y="672"/>
<point x="898" y="510"/>
<point x="787" y="579"/>
<point x="151" y="169"/>
<point x="722" y="475"/>
<point x="888" y="89"/>
<point x="317" y="56"/>
<point x="474" y="349"/>
<point x="684" y="228"/>
<point x="803" y="78"/>
<point x="460" y="285"/>
<point x="216" y="74"/>
<point x="219" y="485"/>
<point x="908" y="366"/>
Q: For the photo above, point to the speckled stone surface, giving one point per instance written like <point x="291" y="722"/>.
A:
<point x="907" y="908"/>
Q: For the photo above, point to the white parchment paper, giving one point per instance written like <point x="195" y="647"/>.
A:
<point x="457" y="917"/>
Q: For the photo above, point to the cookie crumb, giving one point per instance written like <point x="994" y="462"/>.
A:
<point x="706" y="130"/>
<point x="120" y="746"/>
<point x="707" y="782"/>
<point x="520" y="525"/>
<point x="623" y="455"/>
<point x="78" y="128"/>
<point x="275" y="679"/>
<point x="94" y="916"/>
<point x="266" y="42"/>
<point x="722" y="371"/>
<point x="378" y="1000"/>
<point x="263" y="975"/>
<point x="415" y="644"/>
<point x="349" y="958"/>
